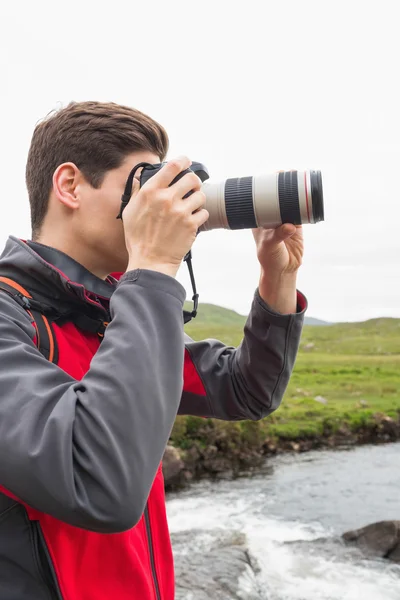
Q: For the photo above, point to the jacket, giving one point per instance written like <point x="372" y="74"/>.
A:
<point x="82" y="506"/>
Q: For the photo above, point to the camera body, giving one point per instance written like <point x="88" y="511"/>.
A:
<point x="199" y="169"/>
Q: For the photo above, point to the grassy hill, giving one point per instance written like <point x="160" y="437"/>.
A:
<point x="211" y="314"/>
<point x="313" y="321"/>
<point x="376" y="336"/>
<point x="373" y="337"/>
<point x="216" y="322"/>
<point x="346" y="379"/>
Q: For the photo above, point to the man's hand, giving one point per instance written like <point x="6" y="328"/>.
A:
<point x="160" y="225"/>
<point x="280" y="253"/>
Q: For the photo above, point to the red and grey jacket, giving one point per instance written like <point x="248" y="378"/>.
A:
<point x="82" y="507"/>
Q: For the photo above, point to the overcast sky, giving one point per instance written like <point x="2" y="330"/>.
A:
<point x="246" y="88"/>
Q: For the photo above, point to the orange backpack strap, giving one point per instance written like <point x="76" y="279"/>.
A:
<point x="45" y="338"/>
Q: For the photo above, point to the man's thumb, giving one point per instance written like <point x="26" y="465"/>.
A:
<point x="135" y="187"/>
<point x="284" y="232"/>
<point x="126" y="199"/>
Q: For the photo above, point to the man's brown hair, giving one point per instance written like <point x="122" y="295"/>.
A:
<point x="96" y="137"/>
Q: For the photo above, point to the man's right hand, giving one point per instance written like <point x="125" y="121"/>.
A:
<point x="160" y="224"/>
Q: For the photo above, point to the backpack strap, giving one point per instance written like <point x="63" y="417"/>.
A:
<point x="84" y="322"/>
<point x="45" y="338"/>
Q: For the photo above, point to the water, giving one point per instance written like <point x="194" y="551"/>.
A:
<point x="292" y="515"/>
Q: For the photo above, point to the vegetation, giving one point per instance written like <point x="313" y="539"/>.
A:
<point x="346" y="383"/>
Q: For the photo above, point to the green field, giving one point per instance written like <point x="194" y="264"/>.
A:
<point x="346" y="377"/>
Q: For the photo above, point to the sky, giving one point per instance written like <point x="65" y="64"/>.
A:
<point x="245" y="88"/>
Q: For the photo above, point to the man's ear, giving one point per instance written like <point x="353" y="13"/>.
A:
<point x="66" y="179"/>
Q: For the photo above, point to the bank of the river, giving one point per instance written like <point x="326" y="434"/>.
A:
<point x="219" y="449"/>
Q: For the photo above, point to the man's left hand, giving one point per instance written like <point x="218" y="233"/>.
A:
<point x="280" y="253"/>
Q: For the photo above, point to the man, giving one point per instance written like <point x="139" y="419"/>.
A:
<point x="83" y="427"/>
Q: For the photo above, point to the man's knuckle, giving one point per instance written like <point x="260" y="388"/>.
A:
<point x="174" y="163"/>
<point x="194" y="180"/>
<point x="162" y="197"/>
<point x="175" y="209"/>
<point x="202" y="197"/>
<point x="144" y="192"/>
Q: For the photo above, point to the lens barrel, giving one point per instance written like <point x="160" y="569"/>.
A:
<point x="239" y="203"/>
<point x="266" y="200"/>
<point x="288" y="193"/>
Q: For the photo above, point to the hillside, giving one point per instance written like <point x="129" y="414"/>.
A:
<point x="313" y="321"/>
<point x="213" y="314"/>
<point x="373" y="337"/>
<point x="376" y="336"/>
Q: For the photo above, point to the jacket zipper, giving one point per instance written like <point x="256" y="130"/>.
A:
<point x="151" y="551"/>
<point x="44" y="561"/>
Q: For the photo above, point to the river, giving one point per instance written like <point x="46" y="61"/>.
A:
<point x="291" y="515"/>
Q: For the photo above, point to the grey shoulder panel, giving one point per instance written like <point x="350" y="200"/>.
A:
<point x="87" y="452"/>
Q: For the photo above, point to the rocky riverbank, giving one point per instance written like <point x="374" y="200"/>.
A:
<point x="205" y="448"/>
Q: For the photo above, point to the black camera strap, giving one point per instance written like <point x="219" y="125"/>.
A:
<point x="189" y="315"/>
<point x="126" y="196"/>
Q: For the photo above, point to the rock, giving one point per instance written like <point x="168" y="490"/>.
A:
<point x="389" y="427"/>
<point x="321" y="399"/>
<point x="302" y="392"/>
<point x="362" y="404"/>
<point x="269" y="447"/>
<point x="309" y="346"/>
<point x="377" y="540"/>
<point x="172" y="467"/>
<point x="212" y="573"/>
<point x="395" y="554"/>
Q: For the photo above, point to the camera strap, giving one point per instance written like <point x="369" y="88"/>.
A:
<point x="126" y="196"/>
<point x="189" y="315"/>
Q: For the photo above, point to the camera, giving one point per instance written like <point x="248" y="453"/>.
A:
<point x="256" y="201"/>
<point x="246" y="202"/>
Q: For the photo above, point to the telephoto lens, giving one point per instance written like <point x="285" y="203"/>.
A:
<point x="264" y="200"/>
<point x="249" y="202"/>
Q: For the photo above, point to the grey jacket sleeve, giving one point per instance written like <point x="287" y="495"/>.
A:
<point x="86" y="452"/>
<point x="247" y="382"/>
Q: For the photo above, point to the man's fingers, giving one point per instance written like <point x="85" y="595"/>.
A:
<point x="200" y="217"/>
<point x="284" y="232"/>
<point x="135" y="187"/>
<point x="194" y="202"/>
<point x="134" y="193"/>
<point x="168" y="172"/>
<point x="187" y="183"/>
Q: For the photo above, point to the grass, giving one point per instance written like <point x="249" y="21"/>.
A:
<point x="351" y="390"/>
<point x="345" y="375"/>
